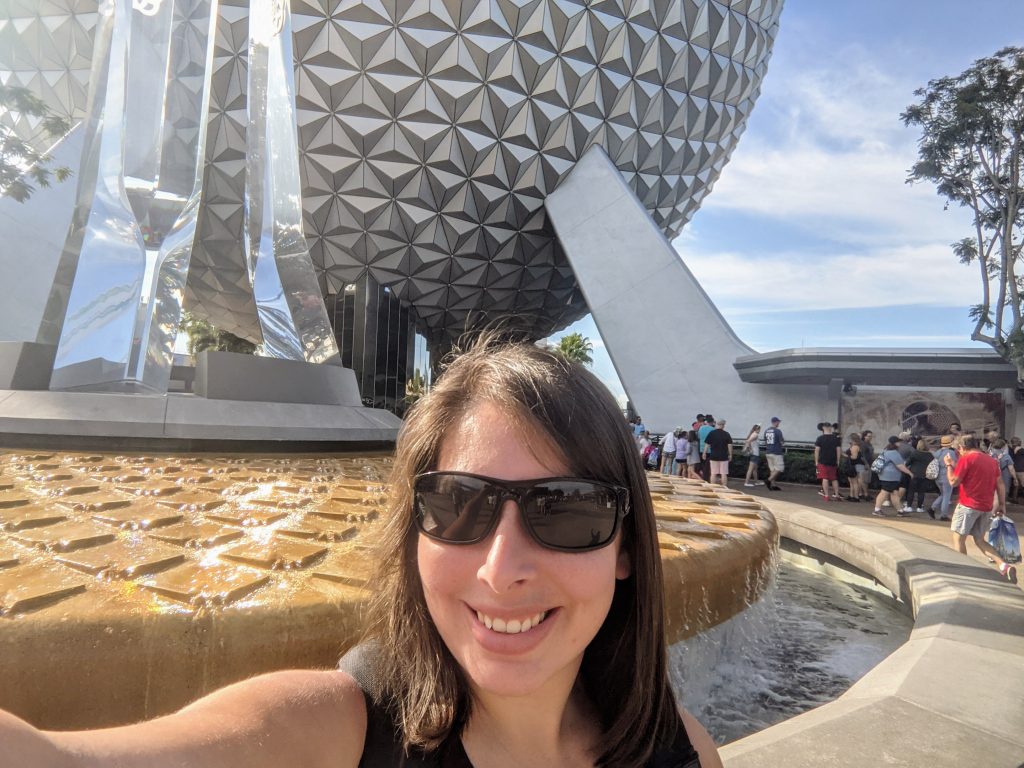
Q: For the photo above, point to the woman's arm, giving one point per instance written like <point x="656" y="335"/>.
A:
<point x="701" y="741"/>
<point x="294" y="718"/>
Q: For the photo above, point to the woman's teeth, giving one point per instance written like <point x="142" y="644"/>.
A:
<point x="513" y="626"/>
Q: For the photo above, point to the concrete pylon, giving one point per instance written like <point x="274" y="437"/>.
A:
<point x="671" y="347"/>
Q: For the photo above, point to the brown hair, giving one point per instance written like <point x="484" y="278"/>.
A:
<point x="624" y="670"/>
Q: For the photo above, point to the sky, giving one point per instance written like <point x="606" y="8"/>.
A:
<point x="811" y="237"/>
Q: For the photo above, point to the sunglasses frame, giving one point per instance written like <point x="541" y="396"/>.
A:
<point x="518" y="491"/>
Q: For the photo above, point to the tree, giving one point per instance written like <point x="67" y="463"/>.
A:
<point x="971" y="148"/>
<point x="202" y="335"/>
<point x="20" y="162"/>
<point x="576" y="347"/>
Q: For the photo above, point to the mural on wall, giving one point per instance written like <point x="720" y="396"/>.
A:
<point x="926" y="413"/>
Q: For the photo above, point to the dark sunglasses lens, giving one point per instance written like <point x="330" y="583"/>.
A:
<point x="572" y="515"/>
<point x="454" y="508"/>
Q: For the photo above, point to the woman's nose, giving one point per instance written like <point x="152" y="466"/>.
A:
<point x="510" y="552"/>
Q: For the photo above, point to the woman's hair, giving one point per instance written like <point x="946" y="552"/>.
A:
<point x="922" y="445"/>
<point x="624" y="670"/>
<point x="891" y="444"/>
<point x="692" y="435"/>
<point x="999" y="443"/>
<point x="753" y="429"/>
<point x="854" y="438"/>
<point x="865" y="433"/>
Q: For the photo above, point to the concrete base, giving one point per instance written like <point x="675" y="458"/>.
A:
<point x="233" y="376"/>
<point x="950" y="696"/>
<point x="181" y="421"/>
<point x="26" y="364"/>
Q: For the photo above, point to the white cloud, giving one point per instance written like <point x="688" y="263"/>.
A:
<point x="900" y="275"/>
<point x="827" y="153"/>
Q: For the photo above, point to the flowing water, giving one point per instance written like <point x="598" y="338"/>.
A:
<point x="804" y="643"/>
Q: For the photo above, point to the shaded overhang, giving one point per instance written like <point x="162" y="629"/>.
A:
<point x="954" y="368"/>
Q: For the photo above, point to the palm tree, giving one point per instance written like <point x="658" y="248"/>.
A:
<point x="576" y="347"/>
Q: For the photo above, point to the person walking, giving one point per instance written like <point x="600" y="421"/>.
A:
<point x="892" y="470"/>
<point x="978" y="477"/>
<point x="855" y="468"/>
<point x="867" y="452"/>
<point x="826" y="460"/>
<point x="941" y="504"/>
<point x="752" y="448"/>
<point x="702" y="435"/>
<point x="668" y="454"/>
<point x="718" y="446"/>
<point x="683" y="449"/>
<point x="1017" y="454"/>
<point x="918" y="463"/>
<point x="693" y="459"/>
<point x="774" y="453"/>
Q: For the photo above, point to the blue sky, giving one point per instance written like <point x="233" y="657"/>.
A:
<point x="811" y="237"/>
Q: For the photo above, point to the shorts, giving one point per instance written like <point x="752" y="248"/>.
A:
<point x="968" y="521"/>
<point x="890" y="485"/>
<point x="720" y="468"/>
<point x="904" y="481"/>
<point x="826" y="471"/>
<point x="775" y="462"/>
<point x="754" y="459"/>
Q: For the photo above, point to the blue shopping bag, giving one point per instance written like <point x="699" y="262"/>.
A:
<point x="1002" y="535"/>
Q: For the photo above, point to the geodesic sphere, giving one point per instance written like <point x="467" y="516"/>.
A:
<point x="431" y="131"/>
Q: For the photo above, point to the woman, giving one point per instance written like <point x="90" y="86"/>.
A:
<point x="518" y="617"/>
<point x="854" y="468"/>
<point x="867" y="451"/>
<point x="892" y="469"/>
<point x="693" y="460"/>
<point x="683" y="449"/>
<point x="917" y="463"/>
<point x="753" y="450"/>
<point x="941" y="504"/>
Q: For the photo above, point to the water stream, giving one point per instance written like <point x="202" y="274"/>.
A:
<point x="804" y="643"/>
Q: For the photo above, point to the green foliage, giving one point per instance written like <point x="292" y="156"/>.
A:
<point x="415" y="387"/>
<point x="202" y="335"/>
<point x="972" y="149"/>
<point x="576" y="347"/>
<point x="20" y="163"/>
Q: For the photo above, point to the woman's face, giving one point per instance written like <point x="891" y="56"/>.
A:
<point x="508" y="578"/>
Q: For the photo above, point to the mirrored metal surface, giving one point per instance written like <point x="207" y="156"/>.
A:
<point x="289" y="300"/>
<point x="138" y="197"/>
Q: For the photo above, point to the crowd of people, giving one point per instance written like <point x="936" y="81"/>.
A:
<point x="985" y="472"/>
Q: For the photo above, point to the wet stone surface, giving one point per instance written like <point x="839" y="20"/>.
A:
<point x="190" y="532"/>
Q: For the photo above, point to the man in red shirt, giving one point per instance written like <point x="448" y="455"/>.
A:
<point x="979" y="479"/>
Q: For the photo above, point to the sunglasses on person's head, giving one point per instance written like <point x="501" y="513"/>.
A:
<point x="568" y="514"/>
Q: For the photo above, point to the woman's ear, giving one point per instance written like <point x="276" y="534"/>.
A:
<point x="623" y="565"/>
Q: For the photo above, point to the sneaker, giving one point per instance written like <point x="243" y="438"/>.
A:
<point x="1009" y="572"/>
<point x="886" y="503"/>
<point x="903" y="513"/>
<point x="836" y="497"/>
<point x="920" y="510"/>
<point x="907" y="509"/>
<point x="853" y="498"/>
<point x="931" y="513"/>
<point x="878" y="513"/>
<point x="774" y="488"/>
<point x="749" y="485"/>
<point x="823" y="495"/>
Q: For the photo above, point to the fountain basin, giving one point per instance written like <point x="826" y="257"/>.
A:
<point x="131" y="585"/>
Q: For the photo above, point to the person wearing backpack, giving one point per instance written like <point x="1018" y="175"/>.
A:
<point x="918" y="461"/>
<point x="890" y="468"/>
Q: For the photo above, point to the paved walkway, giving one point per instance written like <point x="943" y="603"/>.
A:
<point x="918" y="524"/>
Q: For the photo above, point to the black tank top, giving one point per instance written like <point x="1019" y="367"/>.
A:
<point x="383" y="745"/>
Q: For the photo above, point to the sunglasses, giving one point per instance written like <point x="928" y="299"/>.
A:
<point x="567" y="514"/>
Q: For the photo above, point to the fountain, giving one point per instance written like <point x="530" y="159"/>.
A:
<point x="133" y="584"/>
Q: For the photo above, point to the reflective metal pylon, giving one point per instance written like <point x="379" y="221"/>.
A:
<point x="140" y="185"/>
<point x="289" y="300"/>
